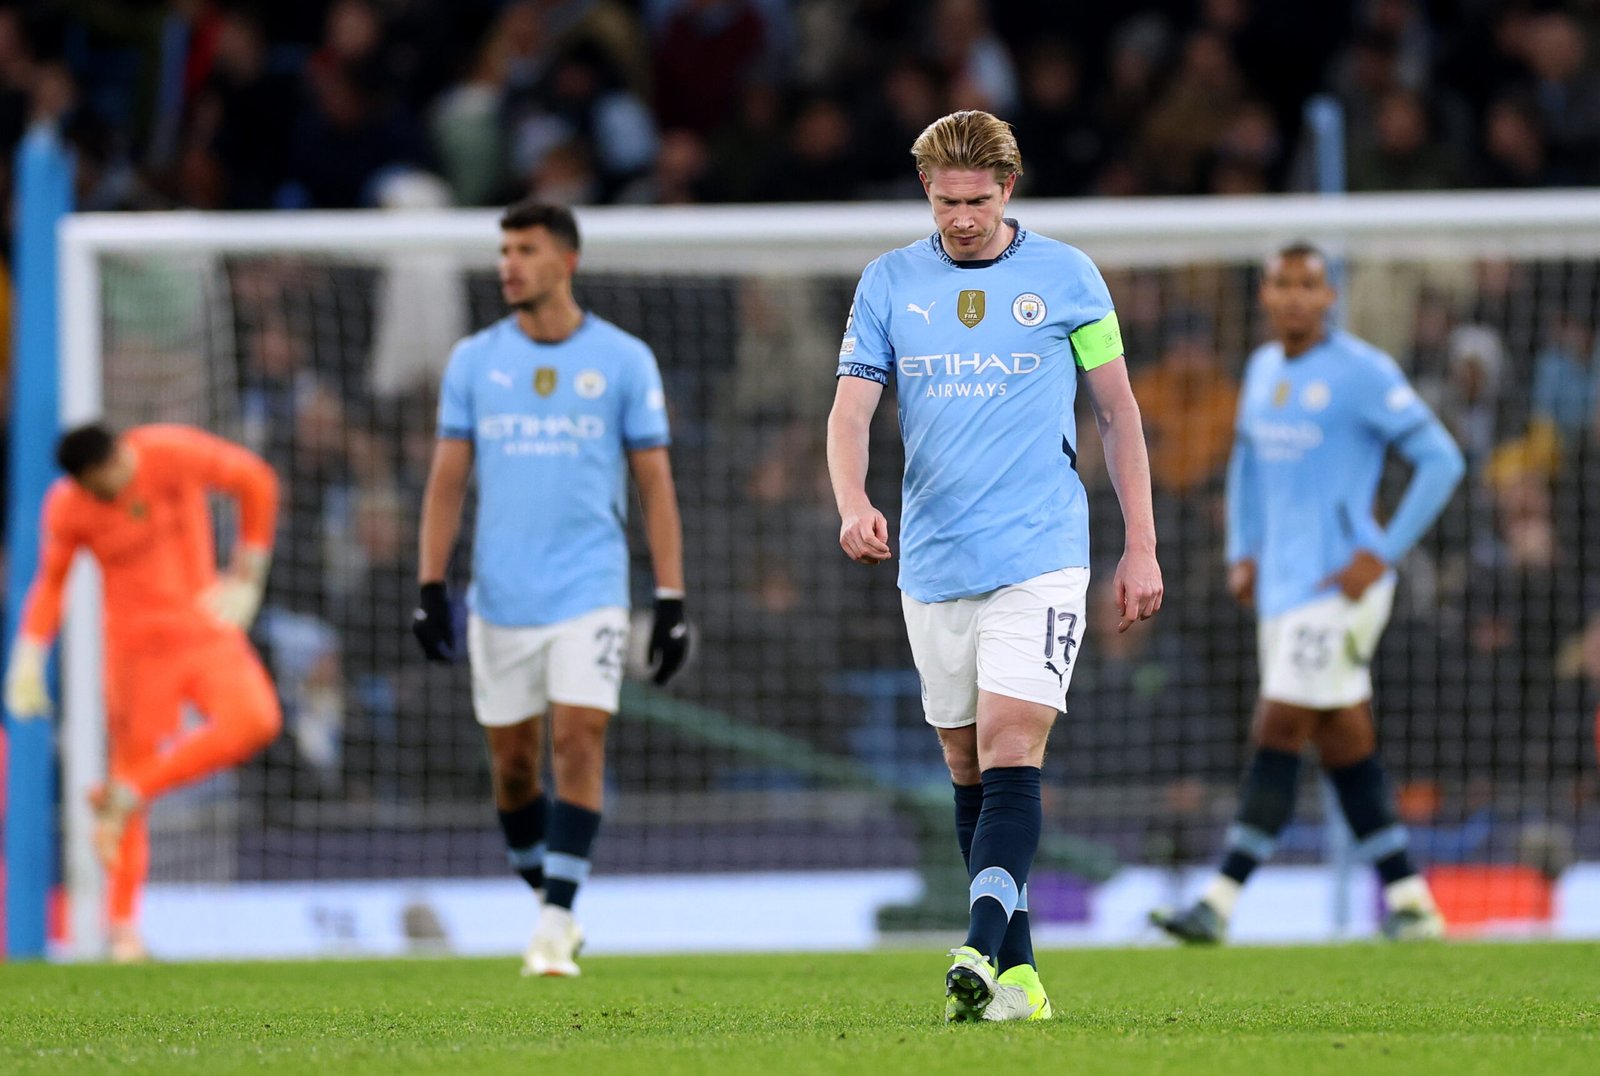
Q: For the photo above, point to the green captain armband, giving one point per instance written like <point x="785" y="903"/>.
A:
<point x="1098" y="342"/>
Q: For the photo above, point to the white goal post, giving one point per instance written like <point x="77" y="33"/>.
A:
<point x="768" y="242"/>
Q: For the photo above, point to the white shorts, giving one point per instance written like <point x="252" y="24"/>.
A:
<point x="1019" y="641"/>
<point x="518" y="672"/>
<point x="1319" y="655"/>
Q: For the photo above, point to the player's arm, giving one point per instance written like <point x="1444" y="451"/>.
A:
<point x="1138" y="584"/>
<point x="663" y="531"/>
<point x="1396" y="413"/>
<point x="863" y="531"/>
<point x="866" y="359"/>
<point x="249" y="480"/>
<point x="433" y="620"/>
<point x="1243" y="515"/>
<point x="1438" y="467"/>
<point x="254" y="487"/>
<point x="446" y="492"/>
<point x="26" y="695"/>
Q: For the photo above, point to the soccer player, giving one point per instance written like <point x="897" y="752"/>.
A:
<point x="552" y="406"/>
<point x="985" y="326"/>
<point x="1318" y="411"/>
<point x="174" y="628"/>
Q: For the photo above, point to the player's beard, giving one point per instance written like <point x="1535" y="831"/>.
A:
<point x="528" y="304"/>
<point x="953" y="238"/>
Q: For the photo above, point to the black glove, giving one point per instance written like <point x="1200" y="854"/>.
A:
<point x="669" y="640"/>
<point x="433" y="624"/>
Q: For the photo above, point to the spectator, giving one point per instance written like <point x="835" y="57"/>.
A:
<point x="910" y="96"/>
<point x="583" y="104"/>
<point x="742" y="150"/>
<point x="464" y="129"/>
<point x="1188" y="406"/>
<point x="681" y="176"/>
<point x="1567" y="93"/>
<point x="1400" y="152"/>
<point x="1566" y="378"/>
<point x="344" y="137"/>
<point x="1189" y="118"/>
<point x="242" y="117"/>
<point x="705" y="55"/>
<point x="974" y="61"/>
<point x="1469" y="398"/>
<point x="1067" y="146"/>
<point x="1248" y="155"/>
<point x="1514" y="151"/>
<point x="816" y="163"/>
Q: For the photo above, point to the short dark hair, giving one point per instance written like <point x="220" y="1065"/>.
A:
<point x="84" y="448"/>
<point x="1301" y="248"/>
<point x="532" y="213"/>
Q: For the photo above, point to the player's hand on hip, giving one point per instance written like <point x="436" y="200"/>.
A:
<point x="235" y="598"/>
<point x="1138" y="587"/>
<point x="27" y="697"/>
<point x="1242" y="581"/>
<point x="864" y="536"/>
<point x="1365" y="568"/>
<point x="433" y="623"/>
<point x="233" y="601"/>
<point x="669" y="640"/>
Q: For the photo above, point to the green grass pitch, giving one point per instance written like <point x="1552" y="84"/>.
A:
<point x="1455" y="1008"/>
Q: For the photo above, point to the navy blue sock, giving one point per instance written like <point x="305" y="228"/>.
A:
<point x="1380" y="838"/>
<point x="566" y="858"/>
<point x="969" y="804"/>
<point x="1265" y="805"/>
<point x="524" y="829"/>
<point x="1003" y="848"/>
<point x="1017" y="948"/>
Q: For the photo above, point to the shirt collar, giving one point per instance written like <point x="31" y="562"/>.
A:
<point x="1011" y="248"/>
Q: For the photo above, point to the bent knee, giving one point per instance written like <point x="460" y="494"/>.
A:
<point x="262" y="723"/>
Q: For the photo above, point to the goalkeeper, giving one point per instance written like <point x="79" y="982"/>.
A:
<point x="174" y="627"/>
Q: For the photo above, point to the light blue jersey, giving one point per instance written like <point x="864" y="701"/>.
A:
<point x="983" y="358"/>
<point x="1308" y="455"/>
<point x="551" y="426"/>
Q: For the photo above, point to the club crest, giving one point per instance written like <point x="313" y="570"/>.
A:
<point x="1028" y="308"/>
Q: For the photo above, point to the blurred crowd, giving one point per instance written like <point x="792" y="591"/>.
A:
<point x="251" y="104"/>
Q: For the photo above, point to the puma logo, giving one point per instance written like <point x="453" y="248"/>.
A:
<point x="500" y="378"/>
<point x="1060" y="674"/>
<point x="913" y="308"/>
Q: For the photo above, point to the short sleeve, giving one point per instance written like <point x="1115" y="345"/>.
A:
<point x="457" y="420"/>
<point x="1098" y="342"/>
<point x="1095" y="334"/>
<point x="865" y="351"/>
<point x="644" y="415"/>
<point x="1387" y="403"/>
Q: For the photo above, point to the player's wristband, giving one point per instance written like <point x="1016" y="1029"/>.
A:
<point x="670" y="594"/>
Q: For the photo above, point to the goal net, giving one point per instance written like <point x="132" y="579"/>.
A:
<point x="787" y="778"/>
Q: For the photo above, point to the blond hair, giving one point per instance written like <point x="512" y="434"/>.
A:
<point x="969" y="139"/>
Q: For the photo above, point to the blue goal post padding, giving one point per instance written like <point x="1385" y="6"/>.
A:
<point x="44" y="174"/>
